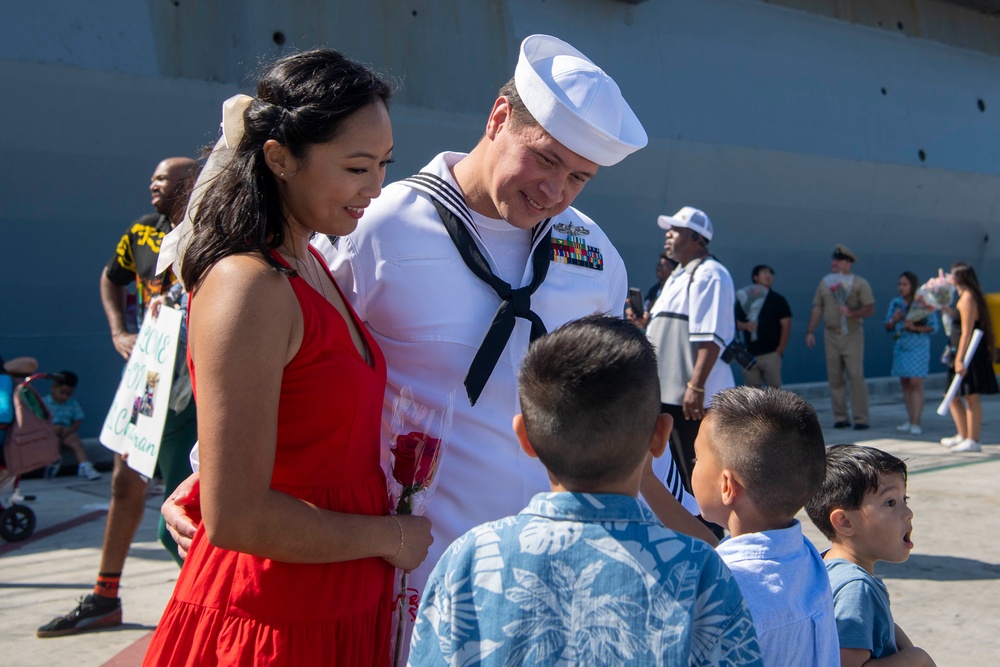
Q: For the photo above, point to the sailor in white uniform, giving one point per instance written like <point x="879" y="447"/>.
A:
<point x="444" y="326"/>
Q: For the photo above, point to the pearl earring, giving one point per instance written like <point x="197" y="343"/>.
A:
<point x="282" y="174"/>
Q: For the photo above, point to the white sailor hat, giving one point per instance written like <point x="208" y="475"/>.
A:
<point x="690" y="218"/>
<point x="576" y="102"/>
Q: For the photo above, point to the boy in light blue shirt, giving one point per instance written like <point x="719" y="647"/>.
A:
<point x="862" y="509"/>
<point x="585" y="575"/>
<point x="759" y="457"/>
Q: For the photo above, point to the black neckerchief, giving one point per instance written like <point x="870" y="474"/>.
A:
<point x="514" y="303"/>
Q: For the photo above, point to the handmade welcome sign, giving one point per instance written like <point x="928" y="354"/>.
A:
<point x="134" y="425"/>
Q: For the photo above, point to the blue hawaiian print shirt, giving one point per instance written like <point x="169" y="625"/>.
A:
<point x="582" y="579"/>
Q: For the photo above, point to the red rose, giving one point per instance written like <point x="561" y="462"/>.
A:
<point x="415" y="458"/>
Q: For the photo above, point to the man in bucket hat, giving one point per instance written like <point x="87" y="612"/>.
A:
<point x="457" y="268"/>
<point x="841" y="301"/>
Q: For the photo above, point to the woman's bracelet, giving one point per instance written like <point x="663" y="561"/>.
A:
<point x="400" y="549"/>
<point x="700" y="390"/>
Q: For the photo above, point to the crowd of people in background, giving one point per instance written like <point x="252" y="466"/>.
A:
<point x="841" y="301"/>
<point x="599" y="468"/>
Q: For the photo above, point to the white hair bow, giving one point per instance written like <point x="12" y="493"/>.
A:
<point x="176" y="242"/>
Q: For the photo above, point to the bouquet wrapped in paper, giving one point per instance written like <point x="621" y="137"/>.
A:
<point x="751" y="299"/>
<point x="933" y="295"/>
<point x="840" y="285"/>
<point x="419" y="432"/>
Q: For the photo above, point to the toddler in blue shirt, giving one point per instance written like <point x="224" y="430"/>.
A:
<point x="67" y="416"/>
<point x="862" y="509"/>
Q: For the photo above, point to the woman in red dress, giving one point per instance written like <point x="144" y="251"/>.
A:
<point x="293" y="561"/>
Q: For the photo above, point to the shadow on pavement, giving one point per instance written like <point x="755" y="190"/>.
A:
<point x="150" y="552"/>
<point x="939" y="568"/>
<point x="117" y="628"/>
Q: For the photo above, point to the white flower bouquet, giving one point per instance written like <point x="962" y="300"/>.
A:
<point x="933" y="295"/>
<point x="840" y="285"/>
<point x="751" y="300"/>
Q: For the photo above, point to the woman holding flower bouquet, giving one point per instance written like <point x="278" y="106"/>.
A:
<point x="978" y="377"/>
<point x="293" y="561"/>
<point x="911" y="325"/>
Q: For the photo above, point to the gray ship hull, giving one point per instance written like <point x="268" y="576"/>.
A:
<point x="793" y="130"/>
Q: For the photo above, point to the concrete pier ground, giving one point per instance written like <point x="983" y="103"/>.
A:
<point x="946" y="596"/>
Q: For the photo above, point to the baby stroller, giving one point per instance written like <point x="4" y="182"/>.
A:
<point x="29" y="442"/>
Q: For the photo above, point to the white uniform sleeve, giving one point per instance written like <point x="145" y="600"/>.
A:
<point x="349" y="270"/>
<point x="712" y="315"/>
<point x="325" y="247"/>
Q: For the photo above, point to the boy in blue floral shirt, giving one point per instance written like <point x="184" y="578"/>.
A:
<point x="585" y="574"/>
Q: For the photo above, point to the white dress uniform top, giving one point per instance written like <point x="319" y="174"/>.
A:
<point x="429" y="313"/>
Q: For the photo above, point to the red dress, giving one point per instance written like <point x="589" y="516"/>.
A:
<point x="231" y="608"/>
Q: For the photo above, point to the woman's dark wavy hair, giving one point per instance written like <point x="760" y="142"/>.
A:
<point x="911" y="278"/>
<point x="302" y="99"/>
<point x="964" y="276"/>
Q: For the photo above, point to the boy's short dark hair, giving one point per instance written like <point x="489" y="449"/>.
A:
<point x="757" y="269"/>
<point x="66" y="379"/>
<point x="590" y="398"/>
<point x="851" y="472"/>
<point x="773" y="440"/>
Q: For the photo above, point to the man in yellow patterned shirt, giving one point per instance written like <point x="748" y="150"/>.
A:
<point x="134" y="261"/>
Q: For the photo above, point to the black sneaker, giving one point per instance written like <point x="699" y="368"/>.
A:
<point x="842" y="424"/>
<point x="93" y="613"/>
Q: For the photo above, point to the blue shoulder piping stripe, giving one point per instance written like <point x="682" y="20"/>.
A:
<point x="443" y="191"/>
